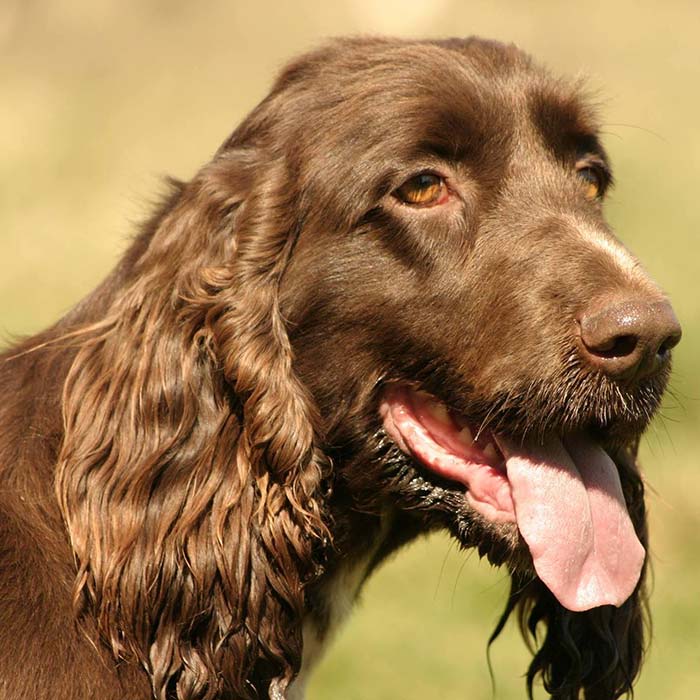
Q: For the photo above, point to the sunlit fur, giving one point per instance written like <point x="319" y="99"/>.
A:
<point x="189" y="476"/>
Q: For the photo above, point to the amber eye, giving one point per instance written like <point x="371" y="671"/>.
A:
<point x="423" y="190"/>
<point x="592" y="182"/>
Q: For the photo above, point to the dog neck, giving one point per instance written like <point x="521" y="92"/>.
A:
<point x="334" y="598"/>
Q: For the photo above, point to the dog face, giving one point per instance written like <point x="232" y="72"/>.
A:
<point x="471" y="329"/>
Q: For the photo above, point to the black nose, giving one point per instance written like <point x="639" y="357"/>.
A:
<point x="631" y="339"/>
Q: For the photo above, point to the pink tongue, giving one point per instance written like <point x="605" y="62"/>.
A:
<point x="571" y="512"/>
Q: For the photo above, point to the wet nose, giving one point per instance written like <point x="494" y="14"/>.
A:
<point x="631" y="339"/>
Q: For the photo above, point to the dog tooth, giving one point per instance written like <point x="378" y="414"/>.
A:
<point x="465" y="436"/>
<point x="490" y="452"/>
<point x="438" y="410"/>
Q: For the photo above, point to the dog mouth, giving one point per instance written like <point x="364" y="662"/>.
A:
<point x="562" y="492"/>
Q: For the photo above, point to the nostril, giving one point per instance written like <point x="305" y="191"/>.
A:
<point x="669" y="343"/>
<point x="631" y="339"/>
<point x="617" y="346"/>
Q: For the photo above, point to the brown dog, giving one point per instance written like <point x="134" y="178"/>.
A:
<point x="389" y="304"/>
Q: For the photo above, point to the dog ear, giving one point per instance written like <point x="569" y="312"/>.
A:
<point x="596" y="654"/>
<point x="190" y="476"/>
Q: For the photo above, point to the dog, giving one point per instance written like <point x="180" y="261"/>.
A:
<point x="390" y="304"/>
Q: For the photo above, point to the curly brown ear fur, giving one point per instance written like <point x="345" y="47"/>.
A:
<point x="595" y="654"/>
<point x="190" y="476"/>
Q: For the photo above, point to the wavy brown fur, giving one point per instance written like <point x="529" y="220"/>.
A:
<point x="189" y="475"/>
<point x="192" y="454"/>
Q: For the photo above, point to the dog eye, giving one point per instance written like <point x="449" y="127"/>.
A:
<point x="423" y="190"/>
<point x="593" y="182"/>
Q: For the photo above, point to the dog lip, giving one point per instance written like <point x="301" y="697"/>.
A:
<point x="446" y="445"/>
<point x="447" y="427"/>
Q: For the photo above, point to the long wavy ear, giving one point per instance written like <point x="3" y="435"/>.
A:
<point x="190" y="476"/>
<point x="595" y="654"/>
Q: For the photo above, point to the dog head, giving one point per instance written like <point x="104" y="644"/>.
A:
<point x="394" y="281"/>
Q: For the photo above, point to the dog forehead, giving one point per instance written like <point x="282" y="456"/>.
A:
<point x="404" y="68"/>
<point x="454" y="96"/>
<point x="356" y="116"/>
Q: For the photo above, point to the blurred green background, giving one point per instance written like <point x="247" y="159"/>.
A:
<point x="100" y="98"/>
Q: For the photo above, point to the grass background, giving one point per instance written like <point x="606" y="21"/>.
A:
<point x="100" y="98"/>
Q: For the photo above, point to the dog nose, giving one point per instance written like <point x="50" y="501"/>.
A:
<point x="630" y="339"/>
